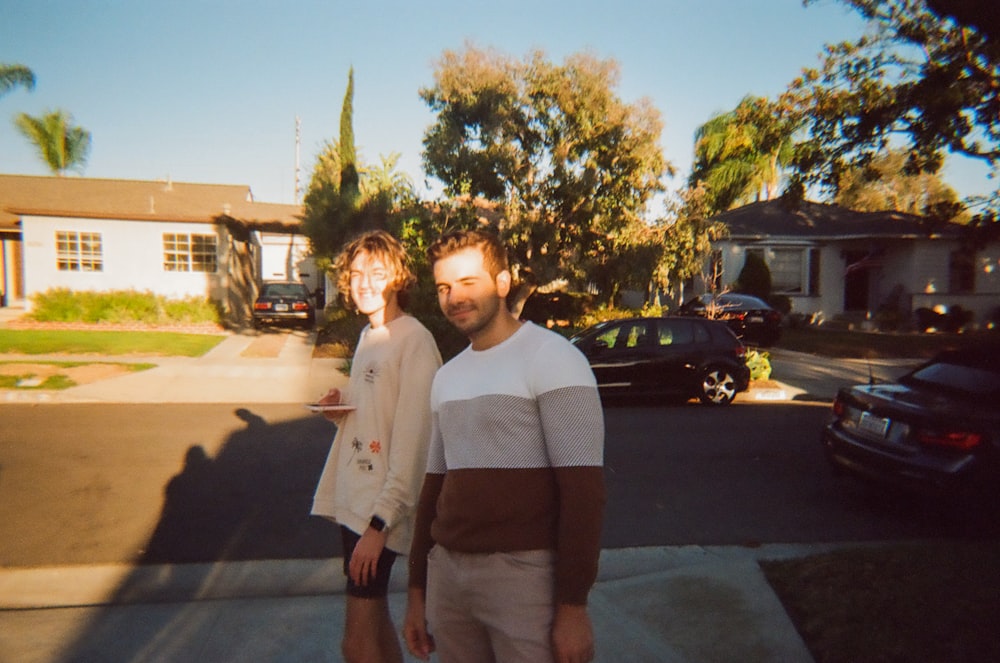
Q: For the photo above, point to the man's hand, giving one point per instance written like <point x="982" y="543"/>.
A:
<point x="364" y="560"/>
<point x="418" y="640"/>
<point x="572" y="634"/>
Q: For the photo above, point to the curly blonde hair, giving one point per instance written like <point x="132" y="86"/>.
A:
<point x="377" y="244"/>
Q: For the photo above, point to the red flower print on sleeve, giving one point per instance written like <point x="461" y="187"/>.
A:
<point x="375" y="446"/>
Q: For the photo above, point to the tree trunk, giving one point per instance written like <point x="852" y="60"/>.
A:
<point x="517" y="299"/>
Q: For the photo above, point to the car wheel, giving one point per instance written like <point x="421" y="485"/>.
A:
<point x="717" y="387"/>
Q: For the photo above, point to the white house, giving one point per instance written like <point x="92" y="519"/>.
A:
<point x="832" y="262"/>
<point x="174" y="239"/>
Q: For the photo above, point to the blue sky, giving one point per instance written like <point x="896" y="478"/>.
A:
<point x="209" y="91"/>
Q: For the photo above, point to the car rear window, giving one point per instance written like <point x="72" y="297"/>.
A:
<point x="957" y="378"/>
<point x="285" y="290"/>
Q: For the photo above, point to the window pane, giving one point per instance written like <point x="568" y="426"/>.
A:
<point x="91" y="255"/>
<point x="786" y="270"/>
<point x="961" y="273"/>
<point x="175" y="252"/>
<point x="675" y="332"/>
<point x="203" y="258"/>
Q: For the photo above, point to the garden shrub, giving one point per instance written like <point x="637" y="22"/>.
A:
<point x="120" y="306"/>
<point x="754" y="278"/>
<point x="759" y="364"/>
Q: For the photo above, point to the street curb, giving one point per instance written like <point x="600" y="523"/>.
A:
<point x="27" y="588"/>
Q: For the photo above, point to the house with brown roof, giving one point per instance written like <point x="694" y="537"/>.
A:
<point x="834" y="262"/>
<point x="175" y="239"/>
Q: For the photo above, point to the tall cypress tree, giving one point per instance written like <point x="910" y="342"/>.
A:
<point x="350" y="189"/>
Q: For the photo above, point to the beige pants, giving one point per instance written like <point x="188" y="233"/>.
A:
<point x="491" y="608"/>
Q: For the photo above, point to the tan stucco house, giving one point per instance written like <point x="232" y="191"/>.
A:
<point x="172" y="238"/>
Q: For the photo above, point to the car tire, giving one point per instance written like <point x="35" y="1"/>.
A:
<point x="717" y="386"/>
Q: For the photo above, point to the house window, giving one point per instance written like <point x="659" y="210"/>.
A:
<point x="961" y="272"/>
<point x="786" y="271"/>
<point x="814" y="272"/>
<point x="189" y="253"/>
<point x="79" y="252"/>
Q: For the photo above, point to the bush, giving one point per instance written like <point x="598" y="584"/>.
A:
<point x="600" y="315"/>
<point x="759" y="364"/>
<point x="119" y="306"/>
<point x="754" y="278"/>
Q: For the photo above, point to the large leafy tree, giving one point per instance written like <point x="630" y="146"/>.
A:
<point x="740" y="155"/>
<point x="13" y="75"/>
<point x="61" y="145"/>
<point x="568" y="164"/>
<point x="915" y="80"/>
<point x="886" y="184"/>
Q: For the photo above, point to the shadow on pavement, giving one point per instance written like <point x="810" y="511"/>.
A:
<point x="250" y="502"/>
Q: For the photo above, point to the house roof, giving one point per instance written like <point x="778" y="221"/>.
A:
<point x="164" y="200"/>
<point x="820" y="221"/>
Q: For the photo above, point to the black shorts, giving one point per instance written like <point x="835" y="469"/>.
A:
<point x="379" y="586"/>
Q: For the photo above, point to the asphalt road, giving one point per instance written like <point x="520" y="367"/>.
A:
<point x="165" y="483"/>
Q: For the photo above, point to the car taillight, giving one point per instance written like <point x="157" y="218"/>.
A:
<point x="838" y="407"/>
<point x="262" y="306"/>
<point x="961" y="440"/>
<point x="300" y="306"/>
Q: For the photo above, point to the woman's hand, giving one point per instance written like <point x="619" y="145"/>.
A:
<point x="332" y="397"/>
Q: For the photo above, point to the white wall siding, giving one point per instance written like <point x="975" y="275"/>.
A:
<point x="132" y="254"/>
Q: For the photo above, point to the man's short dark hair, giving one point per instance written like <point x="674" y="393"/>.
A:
<point x="493" y="250"/>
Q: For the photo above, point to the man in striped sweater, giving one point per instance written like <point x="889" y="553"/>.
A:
<point x="507" y="535"/>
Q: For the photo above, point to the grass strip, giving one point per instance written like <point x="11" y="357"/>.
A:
<point x="36" y="342"/>
<point x="871" y="345"/>
<point x="24" y="378"/>
<point x="933" y="601"/>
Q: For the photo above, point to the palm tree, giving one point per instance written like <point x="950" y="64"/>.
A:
<point x="740" y="154"/>
<point x="12" y="75"/>
<point x="61" y="145"/>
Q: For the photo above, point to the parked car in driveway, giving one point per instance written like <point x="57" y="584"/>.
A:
<point x="283" y="301"/>
<point x="752" y="319"/>
<point x="936" y="429"/>
<point x="668" y="357"/>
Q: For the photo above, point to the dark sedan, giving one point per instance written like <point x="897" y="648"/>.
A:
<point x="752" y="319"/>
<point x="669" y="357"/>
<point x="281" y="301"/>
<point x="935" y="430"/>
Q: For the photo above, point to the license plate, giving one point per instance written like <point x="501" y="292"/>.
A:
<point x="756" y="318"/>
<point x="281" y="307"/>
<point x="877" y="426"/>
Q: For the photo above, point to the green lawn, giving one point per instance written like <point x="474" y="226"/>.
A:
<point x="895" y="603"/>
<point x="837" y="343"/>
<point x="37" y="342"/>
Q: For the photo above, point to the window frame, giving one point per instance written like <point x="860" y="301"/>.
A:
<point x="191" y="252"/>
<point x="79" y="251"/>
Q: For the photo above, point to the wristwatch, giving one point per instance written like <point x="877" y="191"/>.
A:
<point x="376" y="524"/>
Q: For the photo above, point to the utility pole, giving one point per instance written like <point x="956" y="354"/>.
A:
<point x="298" y="140"/>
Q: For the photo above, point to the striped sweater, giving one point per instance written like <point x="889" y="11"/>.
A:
<point x="516" y="458"/>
